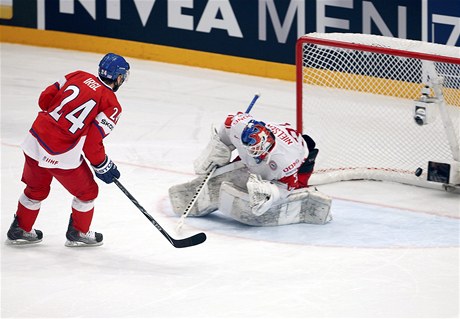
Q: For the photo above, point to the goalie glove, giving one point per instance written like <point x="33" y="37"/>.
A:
<point x="216" y="153"/>
<point x="262" y="194"/>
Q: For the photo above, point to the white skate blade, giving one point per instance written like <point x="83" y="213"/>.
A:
<point x="73" y="244"/>
<point x="21" y="242"/>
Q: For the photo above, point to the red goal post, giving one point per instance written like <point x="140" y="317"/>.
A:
<point x="357" y="96"/>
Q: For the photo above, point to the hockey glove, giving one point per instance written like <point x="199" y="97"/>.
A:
<point x="107" y="170"/>
<point x="216" y="153"/>
<point x="262" y="194"/>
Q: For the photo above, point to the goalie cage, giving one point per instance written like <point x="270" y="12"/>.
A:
<point x="356" y="96"/>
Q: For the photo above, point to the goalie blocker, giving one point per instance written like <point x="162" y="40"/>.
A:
<point x="245" y="198"/>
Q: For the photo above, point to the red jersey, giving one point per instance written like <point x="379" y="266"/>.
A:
<point x="77" y="113"/>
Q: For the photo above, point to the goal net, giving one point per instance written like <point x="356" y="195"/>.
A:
<point x="357" y="97"/>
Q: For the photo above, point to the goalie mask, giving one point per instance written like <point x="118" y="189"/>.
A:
<point x="257" y="139"/>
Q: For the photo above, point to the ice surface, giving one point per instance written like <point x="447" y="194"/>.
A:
<point x="391" y="250"/>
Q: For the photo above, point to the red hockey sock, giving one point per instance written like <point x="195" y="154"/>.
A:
<point x="26" y="217"/>
<point x="82" y="220"/>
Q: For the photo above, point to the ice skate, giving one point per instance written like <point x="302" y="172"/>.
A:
<point x="76" y="238"/>
<point x="18" y="236"/>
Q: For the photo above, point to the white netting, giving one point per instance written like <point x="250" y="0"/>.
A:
<point x="390" y="43"/>
<point x="359" y="107"/>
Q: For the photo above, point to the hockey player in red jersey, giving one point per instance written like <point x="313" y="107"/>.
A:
<point x="77" y="113"/>
<point x="266" y="185"/>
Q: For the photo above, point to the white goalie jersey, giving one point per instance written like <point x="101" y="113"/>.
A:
<point x="284" y="159"/>
<point x="259" y="189"/>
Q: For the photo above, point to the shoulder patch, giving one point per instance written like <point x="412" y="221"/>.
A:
<point x="272" y="164"/>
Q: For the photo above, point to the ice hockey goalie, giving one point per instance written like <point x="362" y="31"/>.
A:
<point x="265" y="185"/>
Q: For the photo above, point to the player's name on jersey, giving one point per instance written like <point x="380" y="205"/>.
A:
<point x="280" y="134"/>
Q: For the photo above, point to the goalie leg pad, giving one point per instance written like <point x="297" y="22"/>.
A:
<point x="302" y="206"/>
<point x="317" y="208"/>
<point x="234" y="202"/>
<point x="181" y="195"/>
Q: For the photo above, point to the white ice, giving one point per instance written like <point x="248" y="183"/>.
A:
<point x="391" y="251"/>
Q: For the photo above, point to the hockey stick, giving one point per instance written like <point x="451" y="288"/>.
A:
<point x="206" y="179"/>
<point x="194" y="198"/>
<point x="254" y="99"/>
<point x="178" y="243"/>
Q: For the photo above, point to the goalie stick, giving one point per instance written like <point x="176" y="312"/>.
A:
<point x="178" y="243"/>
<point x="254" y="99"/>
<point x="208" y="176"/>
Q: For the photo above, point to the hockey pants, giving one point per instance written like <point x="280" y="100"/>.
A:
<point x="78" y="181"/>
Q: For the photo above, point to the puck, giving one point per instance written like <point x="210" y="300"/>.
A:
<point x="418" y="171"/>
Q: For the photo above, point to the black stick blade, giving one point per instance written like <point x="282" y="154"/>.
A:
<point x="190" y="241"/>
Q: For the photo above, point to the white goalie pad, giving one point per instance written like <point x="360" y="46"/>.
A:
<point x="302" y="206"/>
<point x="207" y="202"/>
<point x="315" y="206"/>
<point x="215" y="153"/>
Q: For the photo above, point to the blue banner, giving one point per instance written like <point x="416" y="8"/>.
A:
<point x="259" y="29"/>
